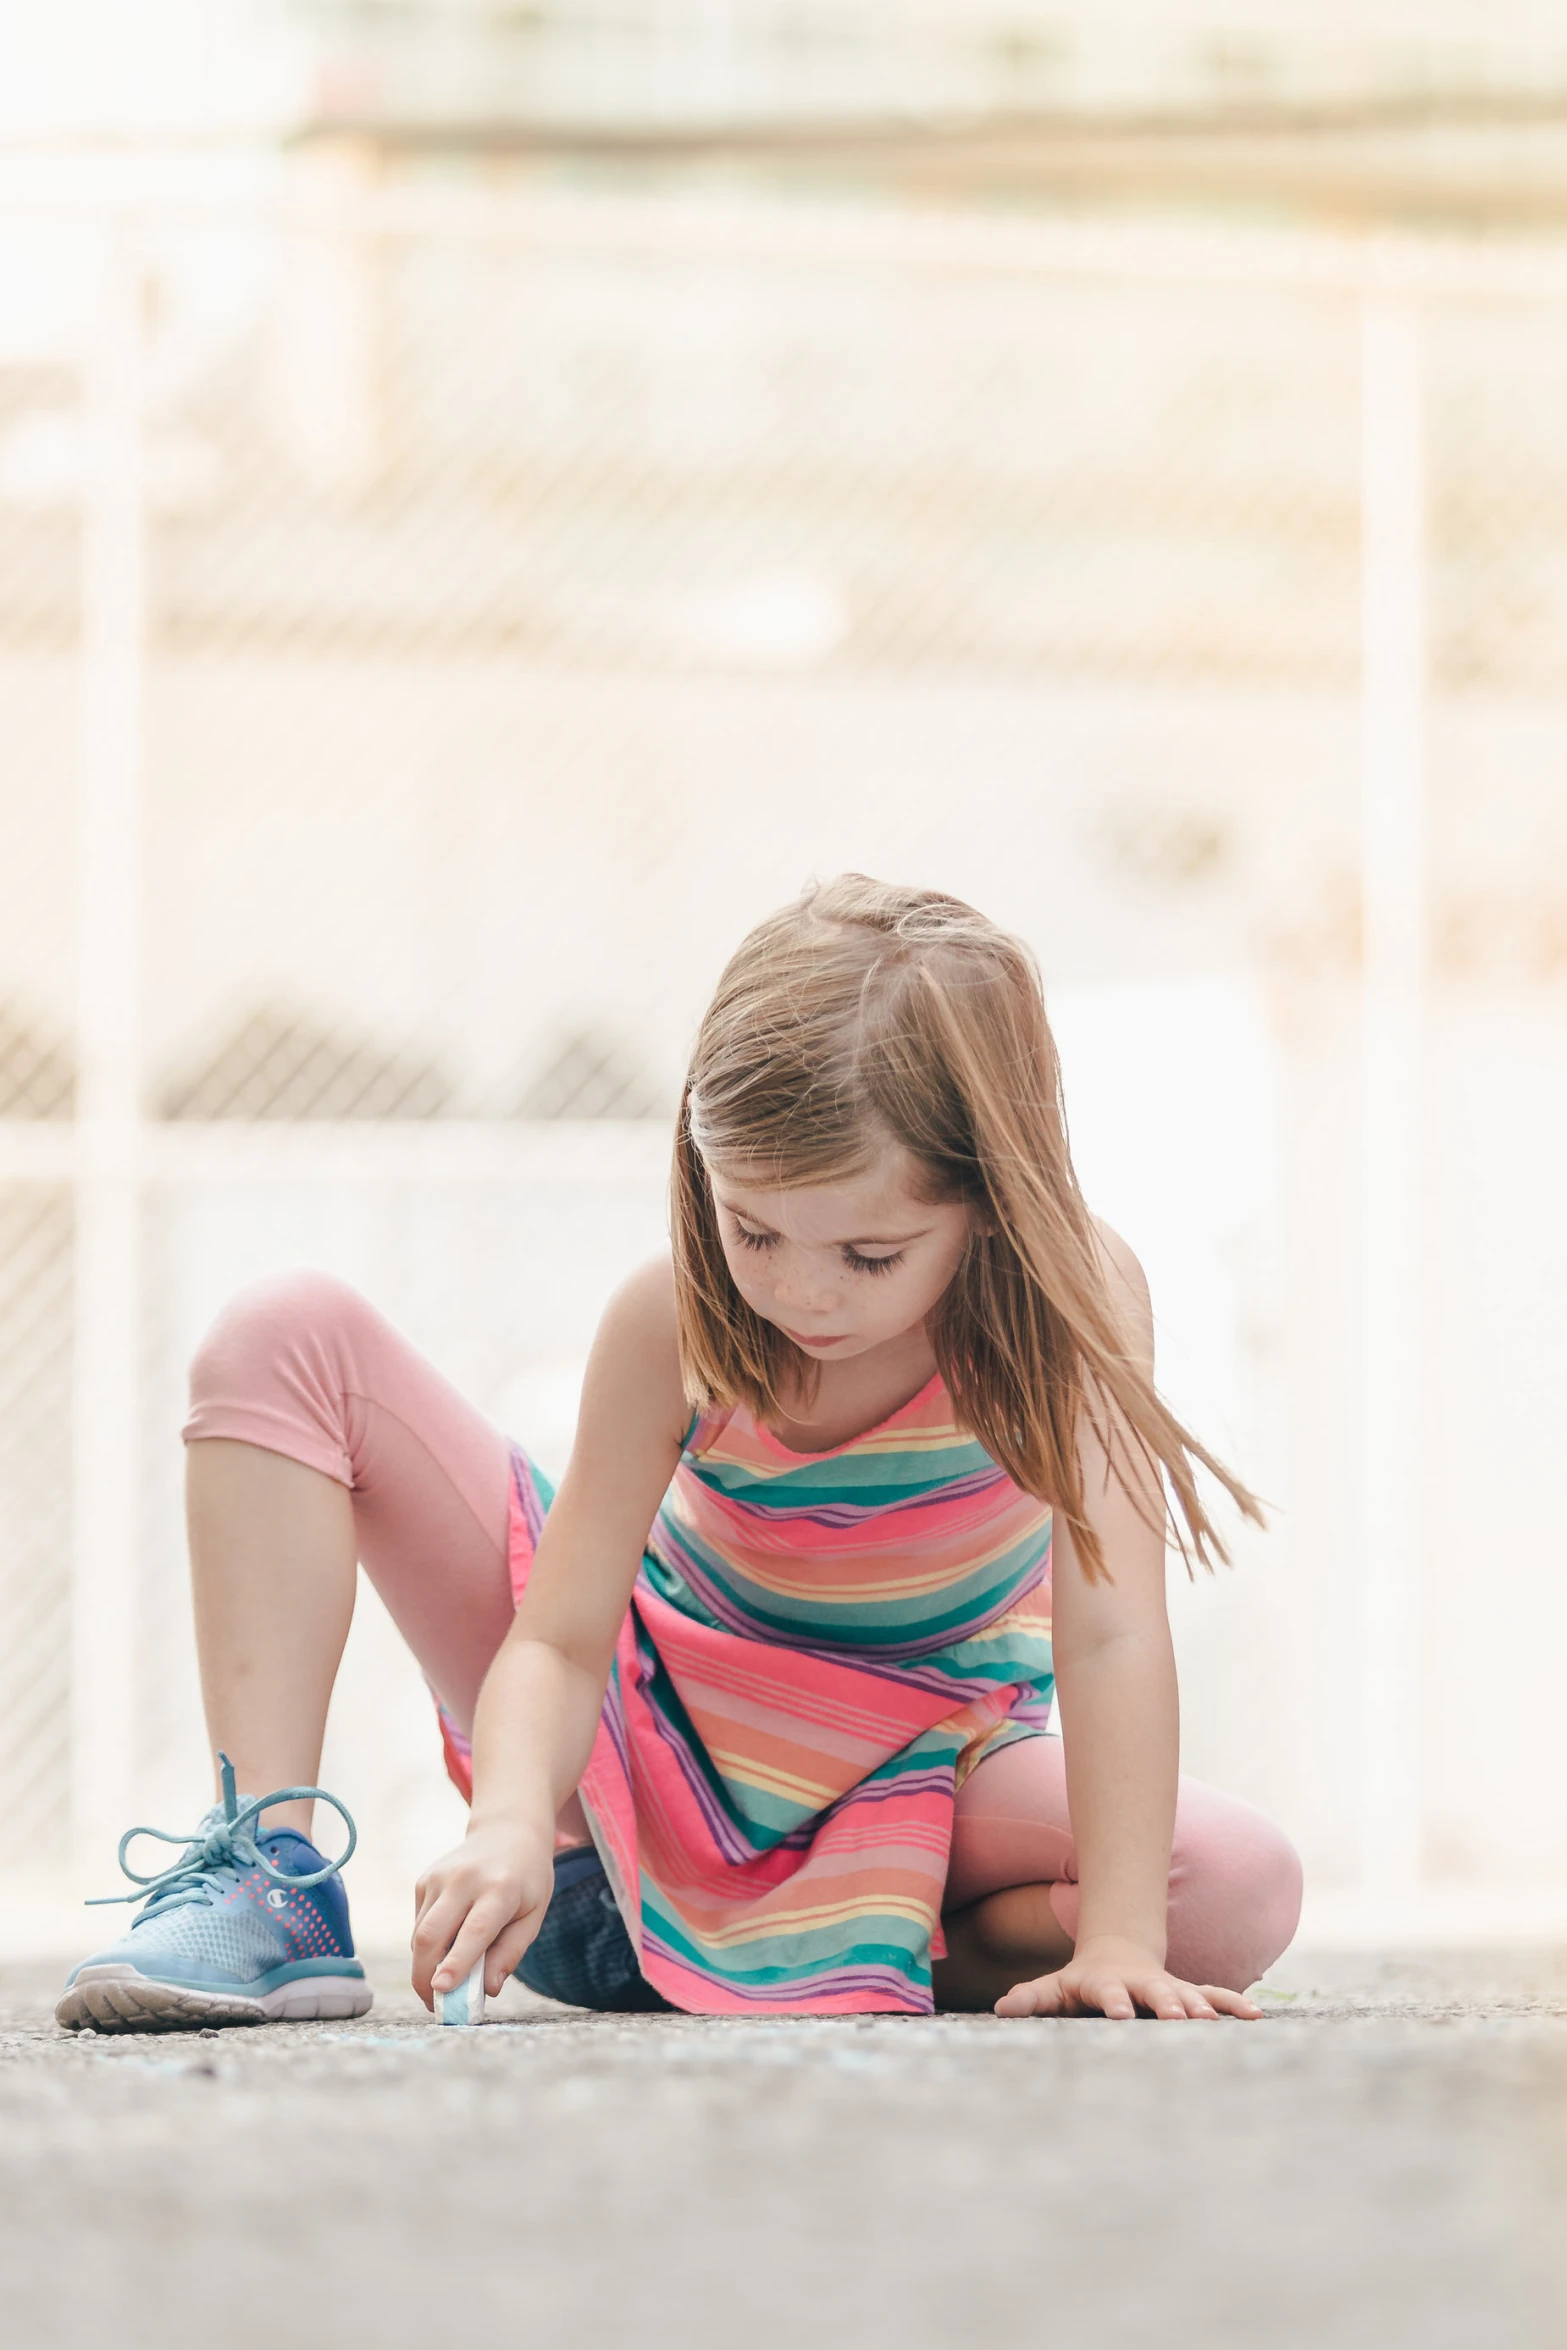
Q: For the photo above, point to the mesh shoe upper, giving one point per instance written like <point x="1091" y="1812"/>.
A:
<point x="221" y="1919"/>
<point x="582" y="1953"/>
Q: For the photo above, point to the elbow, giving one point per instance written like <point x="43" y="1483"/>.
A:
<point x="1136" y="1647"/>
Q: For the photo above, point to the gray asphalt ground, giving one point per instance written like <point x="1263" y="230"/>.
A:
<point x="1381" y="2163"/>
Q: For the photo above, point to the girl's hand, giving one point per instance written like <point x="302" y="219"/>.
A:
<point x="488" y="1895"/>
<point x="1114" y="1978"/>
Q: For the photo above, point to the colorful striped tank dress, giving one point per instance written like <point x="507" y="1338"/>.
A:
<point x="819" y="1648"/>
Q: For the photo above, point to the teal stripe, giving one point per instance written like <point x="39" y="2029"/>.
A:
<point x="868" y="1624"/>
<point x="1018" y="1655"/>
<point x="789" y="1959"/>
<point x="890" y="1482"/>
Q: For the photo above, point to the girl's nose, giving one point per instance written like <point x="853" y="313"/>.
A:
<point x="806" y="1292"/>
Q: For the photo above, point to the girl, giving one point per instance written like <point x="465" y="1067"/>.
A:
<point x="751" y="1711"/>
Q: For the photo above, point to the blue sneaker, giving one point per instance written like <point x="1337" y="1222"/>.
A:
<point x="240" y="1930"/>
<point x="582" y="1953"/>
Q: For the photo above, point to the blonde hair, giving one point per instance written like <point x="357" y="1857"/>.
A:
<point x="867" y="1014"/>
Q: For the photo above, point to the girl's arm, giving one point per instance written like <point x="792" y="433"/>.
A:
<point x="538" y="1711"/>
<point x="1115" y="1670"/>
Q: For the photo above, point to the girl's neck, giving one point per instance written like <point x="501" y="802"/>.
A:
<point x="857" y="1395"/>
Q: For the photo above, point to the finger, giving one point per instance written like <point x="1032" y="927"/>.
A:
<point x="429" y="1885"/>
<point x="439" y="1932"/>
<point x="1232" y="2003"/>
<point x="507" y="1950"/>
<point x="1111" y="1999"/>
<point x="1162" y="1996"/>
<point x="433" y="1934"/>
<point x="1198" y="2007"/>
<point x="441" y="1923"/>
<point x="478" y="1930"/>
<point x="1041" y="1997"/>
<point x="428" y="1900"/>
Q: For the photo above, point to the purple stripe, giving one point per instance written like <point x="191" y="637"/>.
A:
<point x="527" y="1493"/>
<point x="936" y="1781"/>
<point x="726" y="1836"/>
<point x="729" y="1617"/>
<point x="855" y="1513"/>
<point x="840" y="1979"/>
<point x="673" y="1553"/>
<point x="730" y="1839"/>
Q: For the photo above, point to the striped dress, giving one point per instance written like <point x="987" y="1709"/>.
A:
<point x="819" y="1647"/>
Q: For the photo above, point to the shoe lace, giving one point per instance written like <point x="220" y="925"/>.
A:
<point x="215" y="1852"/>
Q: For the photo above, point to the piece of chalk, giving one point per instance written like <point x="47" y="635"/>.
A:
<point x="465" y="2005"/>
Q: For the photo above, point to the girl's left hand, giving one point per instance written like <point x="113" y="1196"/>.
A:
<point x="1114" y="1978"/>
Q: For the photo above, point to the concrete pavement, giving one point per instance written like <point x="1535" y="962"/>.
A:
<point x="1381" y="2163"/>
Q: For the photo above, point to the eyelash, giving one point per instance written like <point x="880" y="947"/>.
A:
<point x="761" y="1241"/>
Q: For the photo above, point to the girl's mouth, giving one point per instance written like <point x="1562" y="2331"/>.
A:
<point x="800" y="1338"/>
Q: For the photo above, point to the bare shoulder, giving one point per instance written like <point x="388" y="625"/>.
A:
<point x="635" y="1360"/>
<point x="644" y="1304"/>
<point x="1128" y="1283"/>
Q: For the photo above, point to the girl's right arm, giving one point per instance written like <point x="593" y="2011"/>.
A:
<point x="538" y="1711"/>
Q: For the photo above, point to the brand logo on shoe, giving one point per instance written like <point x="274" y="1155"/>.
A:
<point x="277" y="1898"/>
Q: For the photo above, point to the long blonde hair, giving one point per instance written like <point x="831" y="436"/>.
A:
<point x="867" y="1014"/>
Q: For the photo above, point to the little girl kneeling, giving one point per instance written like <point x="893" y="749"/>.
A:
<point x="752" y="1710"/>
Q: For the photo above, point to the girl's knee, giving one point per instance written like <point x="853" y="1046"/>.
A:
<point x="286" y="1317"/>
<point x="1235" y="1895"/>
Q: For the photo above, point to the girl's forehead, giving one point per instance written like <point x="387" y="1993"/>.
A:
<point x="887" y="1188"/>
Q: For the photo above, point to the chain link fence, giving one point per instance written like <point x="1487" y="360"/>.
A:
<point x="531" y="587"/>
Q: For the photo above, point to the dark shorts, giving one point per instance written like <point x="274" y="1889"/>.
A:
<point x="582" y="1953"/>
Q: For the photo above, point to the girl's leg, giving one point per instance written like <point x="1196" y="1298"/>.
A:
<point x="319" y="1436"/>
<point x="1235" y="1881"/>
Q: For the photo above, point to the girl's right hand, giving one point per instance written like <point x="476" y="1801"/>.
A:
<point x="489" y="1895"/>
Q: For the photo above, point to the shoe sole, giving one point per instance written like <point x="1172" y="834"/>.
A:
<point x="118" y="1999"/>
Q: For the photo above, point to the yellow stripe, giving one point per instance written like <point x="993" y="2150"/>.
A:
<point x="743" y="1771"/>
<point x="887" y="1587"/>
<point x="1013" y="1625"/>
<point x="808" y="1920"/>
<point x="934" y="1436"/>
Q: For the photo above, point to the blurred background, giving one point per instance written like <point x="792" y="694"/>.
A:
<point x="494" y="496"/>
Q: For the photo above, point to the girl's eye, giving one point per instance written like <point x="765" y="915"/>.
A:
<point x="754" y="1239"/>
<point x="852" y="1257"/>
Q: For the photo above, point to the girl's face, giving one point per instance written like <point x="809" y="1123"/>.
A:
<point x="841" y="1267"/>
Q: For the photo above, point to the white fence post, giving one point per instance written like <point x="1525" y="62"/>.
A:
<point x="108" y="1107"/>
<point x="1393" y="696"/>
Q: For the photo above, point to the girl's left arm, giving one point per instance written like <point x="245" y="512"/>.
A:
<point x="1115" y="1673"/>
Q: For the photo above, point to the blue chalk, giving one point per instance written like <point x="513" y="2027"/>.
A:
<point x="465" y="2005"/>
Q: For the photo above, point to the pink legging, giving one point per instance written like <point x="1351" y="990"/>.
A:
<point x="302" y="1365"/>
